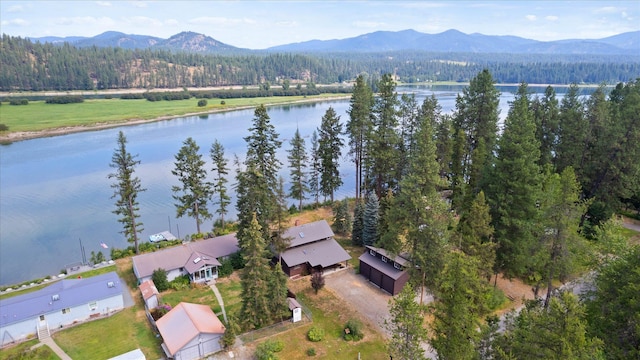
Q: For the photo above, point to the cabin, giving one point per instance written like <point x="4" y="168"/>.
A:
<point x="63" y="303"/>
<point x="387" y="272"/>
<point x="190" y="331"/>
<point x="198" y="259"/>
<point x="312" y="248"/>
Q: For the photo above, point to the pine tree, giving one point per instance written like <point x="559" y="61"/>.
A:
<point x="572" y="132"/>
<point x="359" y="127"/>
<point x="314" y="173"/>
<point x="384" y="142"/>
<point x="515" y="188"/>
<point x="358" y="224"/>
<point x="547" y="114"/>
<point x="298" y="164"/>
<point x="341" y="217"/>
<point x="371" y="219"/>
<point x="405" y="326"/>
<point x="475" y="234"/>
<point x="221" y="171"/>
<point x="194" y="194"/>
<point x="126" y="190"/>
<point x="256" y="310"/>
<point x="329" y="150"/>
<point x="277" y="293"/>
<point x="460" y="293"/>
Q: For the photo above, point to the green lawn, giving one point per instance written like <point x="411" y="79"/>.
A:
<point x="22" y="352"/>
<point x="38" y="115"/>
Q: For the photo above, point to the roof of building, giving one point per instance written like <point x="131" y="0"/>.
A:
<point x="402" y="259"/>
<point x="324" y="253"/>
<point x="63" y="294"/>
<point x="307" y="233"/>
<point x="293" y="303"/>
<point x="185" y="255"/>
<point x="385" y="268"/>
<point x="186" y="321"/>
<point x="148" y="289"/>
<point x="136" y="354"/>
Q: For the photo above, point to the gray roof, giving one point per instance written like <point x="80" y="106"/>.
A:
<point x="324" y="253"/>
<point x="70" y="293"/>
<point x="183" y="256"/>
<point x="306" y="233"/>
<point x="186" y="321"/>
<point x="378" y="264"/>
<point x="402" y="259"/>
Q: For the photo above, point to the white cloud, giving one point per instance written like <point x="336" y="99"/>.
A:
<point x="103" y="3"/>
<point x="139" y="4"/>
<point x="530" y="17"/>
<point x="288" y="23"/>
<point x="85" y="20"/>
<point x="217" y="20"/>
<point x="16" y="22"/>
<point x="15" y="8"/>
<point x="143" y="21"/>
<point x="551" y="17"/>
<point x="368" y="24"/>
<point x="606" y="10"/>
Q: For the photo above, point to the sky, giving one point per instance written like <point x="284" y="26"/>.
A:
<point x="262" y="24"/>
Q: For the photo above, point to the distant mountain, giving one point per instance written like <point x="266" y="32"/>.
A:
<point x="456" y="41"/>
<point x="379" y="41"/>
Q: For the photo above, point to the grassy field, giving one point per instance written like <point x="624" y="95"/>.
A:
<point x="22" y="352"/>
<point x="39" y="116"/>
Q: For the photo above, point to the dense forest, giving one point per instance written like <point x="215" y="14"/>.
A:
<point x="28" y="66"/>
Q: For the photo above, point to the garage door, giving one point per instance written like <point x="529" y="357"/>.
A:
<point x="387" y="284"/>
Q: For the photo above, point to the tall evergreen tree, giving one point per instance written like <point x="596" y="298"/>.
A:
<point x="475" y="234"/>
<point x="298" y="164"/>
<point x="515" y="187"/>
<point x="256" y="310"/>
<point x="444" y="146"/>
<point x="342" y="217"/>
<point x="476" y="115"/>
<point x="546" y="113"/>
<point x="358" y="224"/>
<point x="406" y="326"/>
<point x="221" y="171"/>
<point x="572" y="132"/>
<point x="382" y="154"/>
<point x="370" y="220"/>
<point x="126" y="190"/>
<point x="460" y="293"/>
<point x="409" y="115"/>
<point x="278" y="293"/>
<point x="329" y="149"/>
<point x="359" y="127"/>
<point x="314" y="172"/>
<point x="194" y="194"/>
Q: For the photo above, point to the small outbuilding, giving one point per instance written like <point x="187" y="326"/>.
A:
<point x="150" y="294"/>
<point x="387" y="272"/>
<point x="190" y="331"/>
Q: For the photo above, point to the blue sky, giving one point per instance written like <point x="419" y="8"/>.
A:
<point x="261" y="24"/>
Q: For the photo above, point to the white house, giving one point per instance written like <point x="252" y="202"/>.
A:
<point x="190" y="331"/>
<point x="62" y="303"/>
<point x="198" y="259"/>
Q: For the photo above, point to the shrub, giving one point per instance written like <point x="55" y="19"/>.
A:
<point x="315" y="334"/>
<point x="202" y="103"/>
<point x="66" y="99"/>
<point x="226" y="267"/>
<point x="311" y="352"/>
<point x="317" y="281"/>
<point x="4" y="127"/>
<point x="180" y="283"/>
<point x="267" y="350"/>
<point x="159" y="278"/>
<point x="19" y="102"/>
<point x="222" y="102"/>
<point x="353" y="330"/>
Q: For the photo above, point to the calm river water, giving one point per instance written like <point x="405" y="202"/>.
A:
<point x="54" y="191"/>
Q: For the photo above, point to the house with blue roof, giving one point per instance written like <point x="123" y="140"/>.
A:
<point x="60" y="304"/>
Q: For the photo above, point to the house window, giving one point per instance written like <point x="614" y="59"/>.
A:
<point x="373" y="253"/>
<point x="93" y="305"/>
<point x="384" y="259"/>
<point x="66" y="311"/>
<point x="397" y="266"/>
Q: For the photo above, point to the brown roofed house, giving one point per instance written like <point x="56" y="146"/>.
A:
<point x="150" y="294"/>
<point x="190" y="331"/>
<point x="384" y="270"/>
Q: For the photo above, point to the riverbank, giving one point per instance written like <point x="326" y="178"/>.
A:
<point x="14" y="136"/>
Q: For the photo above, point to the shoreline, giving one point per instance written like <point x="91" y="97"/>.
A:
<point x="12" y="137"/>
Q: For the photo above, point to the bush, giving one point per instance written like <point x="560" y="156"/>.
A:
<point x="159" y="278"/>
<point x="222" y="102"/>
<point x="67" y="99"/>
<point x="4" y="127"/>
<point x="353" y="330"/>
<point x="311" y="352"/>
<point x="267" y="350"/>
<point x="317" y="281"/>
<point x="315" y="334"/>
<point x="202" y="103"/>
<point x="226" y="268"/>
<point x="19" y="102"/>
<point x="180" y="283"/>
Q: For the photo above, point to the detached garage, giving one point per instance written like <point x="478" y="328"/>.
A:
<point x="388" y="273"/>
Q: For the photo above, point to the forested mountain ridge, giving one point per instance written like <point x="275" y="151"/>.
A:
<point x="448" y="41"/>
<point x="29" y="66"/>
